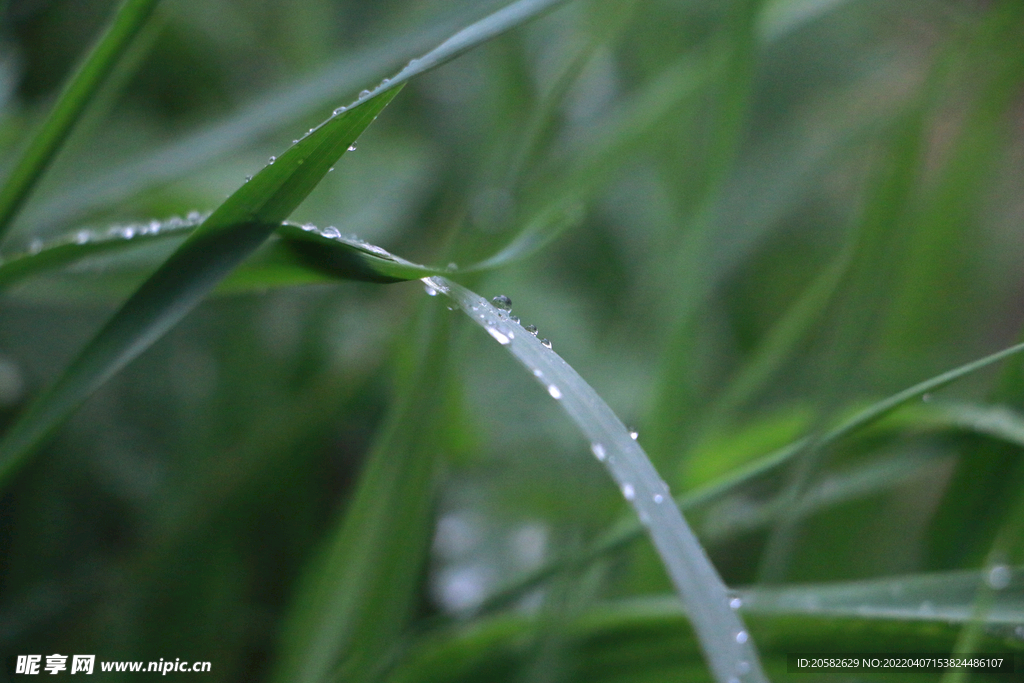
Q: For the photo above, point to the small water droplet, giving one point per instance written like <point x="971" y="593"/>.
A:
<point x="514" y="318"/>
<point x="35" y="246"/>
<point x="502" y="303"/>
<point x="633" y="434"/>
<point x="272" y="160"/>
<point x="339" y="110"/>
<point x="736" y="603"/>
<point x="248" y="178"/>
<point x="429" y="290"/>
<point x="545" y="343"/>
<point x="127" y="232"/>
<point x="537" y="372"/>
<point x="555" y="392"/>
<point x="82" y="237"/>
<point x="330" y="169"/>
<point x="742" y="637"/>
<point x="352" y="147"/>
<point x="193" y="216"/>
<point x="364" y="93"/>
<point x="999" y="577"/>
<point x="503" y="339"/>
<point x="532" y="329"/>
<point x="295" y="142"/>
<point x="658" y="498"/>
<point x="628" y="492"/>
<point x="385" y="81"/>
<point x="598" y="451"/>
<point x="331" y="232"/>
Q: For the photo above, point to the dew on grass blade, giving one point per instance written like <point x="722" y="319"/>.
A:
<point x="352" y="147"/>
<point x="514" y="318"/>
<point x="545" y="343"/>
<point x="633" y="434"/>
<point x="502" y="303"/>
<point x="364" y="94"/>
<point x="532" y="329"/>
<point x="736" y="603"/>
<point x="272" y="160"/>
<point x="695" y="579"/>
<point x="430" y="290"/>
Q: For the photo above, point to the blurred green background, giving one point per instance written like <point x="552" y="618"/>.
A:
<point x="779" y="212"/>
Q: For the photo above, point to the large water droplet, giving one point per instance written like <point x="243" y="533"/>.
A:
<point x="545" y="343"/>
<point x="502" y="339"/>
<point x="532" y="329"/>
<point x="999" y="577"/>
<point x="628" y="492"/>
<point x="742" y="637"/>
<point x="598" y="451"/>
<point x="555" y="392"/>
<point x="502" y="303"/>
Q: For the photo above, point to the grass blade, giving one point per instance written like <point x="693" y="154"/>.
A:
<point x="128" y="21"/>
<point x="723" y="637"/>
<point x="224" y="239"/>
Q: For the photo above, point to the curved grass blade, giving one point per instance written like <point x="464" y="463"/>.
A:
<point x="232" y="232"/>
<point x="630" y="530"/>
<point x="723" y="637"/>
<point x="128" y="21"/>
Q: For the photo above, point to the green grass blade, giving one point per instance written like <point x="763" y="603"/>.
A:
<point x="230" y="234"/>
<point x="81" y="89"/>
<point x="358" y="597"/>
<point x="723" y="637"/>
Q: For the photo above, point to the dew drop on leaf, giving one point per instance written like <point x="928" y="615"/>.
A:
<point x="532" y="329"/>
<point x="502" y="303"/>
<point x="545" y="343"/>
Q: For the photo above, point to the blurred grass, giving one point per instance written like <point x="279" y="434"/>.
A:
<point x="739" y="221"/>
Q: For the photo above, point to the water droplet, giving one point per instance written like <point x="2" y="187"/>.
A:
<point x="330" y="169"/>
<point x="502" y="303"/>
<point x="514" y="318"/>
<point x="503" y="339"/>
<point x="628" y="492"/>
<point x="35" y="246"/>
<point x="742" y="637"/>
<point x="532" y="329"/>
<point x="658" y="498"/>
<point x="429" y="290"/>
<point x="999" y="577"/>
<point x="633" y="434"/>
<point x="331" y="232"/>
<point x="555" y="392"/>
<point x="127" y="232"/>
<point x="364" y="93"/>
<point x="352" y="147"/>
<point x="385" y="81"/>
<point x="537" y="372"/>
<point x="194" y="216"/>
<point x="295" y="142"/>
<point x="545" y="343"/>
<point x="598" y="451"/>
<point x="736" y="603"/>
<point x="272" y="160"/>
<point x="82" y="237"/>
<point x="339" y="110"/>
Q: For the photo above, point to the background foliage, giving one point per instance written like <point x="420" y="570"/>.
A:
<point x="739" y="221"/>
